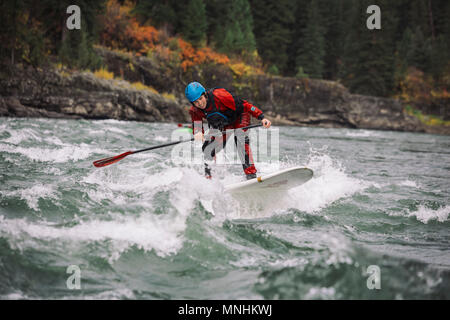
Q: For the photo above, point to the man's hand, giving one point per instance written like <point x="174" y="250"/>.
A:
<point x="266" y="123"/>
<point x="199" y="136"/>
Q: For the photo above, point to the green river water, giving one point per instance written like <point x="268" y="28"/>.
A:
<point x="150" y="228"/>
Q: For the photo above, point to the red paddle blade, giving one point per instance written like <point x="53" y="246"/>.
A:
<point x="107" y="161"/>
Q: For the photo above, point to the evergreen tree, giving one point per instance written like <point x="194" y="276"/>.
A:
<point x="440" y="51"/>
<point x="53" y="16"/>
<point x="424" y="26"/>
<point x="233" y="40"/>
<point x="368" y="61"/>
<point x="74" y="47"/>
<point x="20" y="38"/>
<point x="402" y="55"/>
<point x="194" y="24"/>
<point x="296" y="36"/>
<point x="441" y="14"/>
<point x="65" y="52"/>
<point x="160" y="13"/>
<point x="216" y="12"/>
<point x="312" y="51"/>
<point x="333" y="16"/>
<point x="236" y="34"/>
<point x="440" y="58"/>
<point x="420" y="50"/>
<point x="246" y="25"/>
<point x="273" y="26"/>
<point x="76" y="51"/>
<point x="418" y="17"/>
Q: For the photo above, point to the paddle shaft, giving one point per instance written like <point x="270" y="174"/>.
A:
<point x="111" y="160"/>
<point x="187" y="140"/>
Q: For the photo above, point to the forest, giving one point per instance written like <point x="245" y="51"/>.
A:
<point x="408" y="58"/>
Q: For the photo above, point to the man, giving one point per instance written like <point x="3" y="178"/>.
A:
<point x="222" y="110"/>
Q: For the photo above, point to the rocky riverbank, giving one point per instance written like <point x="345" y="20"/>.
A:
<point x="57" y="93"/>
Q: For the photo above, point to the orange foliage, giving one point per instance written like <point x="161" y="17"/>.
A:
<point x="140" y="38"/>
<point x="191" y="57"/>
<point x="121" y="31"/>
<point x="423" y="92"/>
<point x="417" y="87"/>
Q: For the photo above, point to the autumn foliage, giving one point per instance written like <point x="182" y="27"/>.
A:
<point x="420" y="88"/>
<point x="122" y="31"/>
<point x="423" y="92"/>
<point x="191" y="56"/>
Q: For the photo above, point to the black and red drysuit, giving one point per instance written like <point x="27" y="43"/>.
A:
<point x="225" y="111"/>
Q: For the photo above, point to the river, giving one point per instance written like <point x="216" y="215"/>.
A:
<point x="372" y="223"/>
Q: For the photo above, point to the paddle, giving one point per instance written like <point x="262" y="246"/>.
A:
<point x="107" y="161"/>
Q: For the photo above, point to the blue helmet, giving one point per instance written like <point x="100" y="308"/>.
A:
<point x="193" y="91"/>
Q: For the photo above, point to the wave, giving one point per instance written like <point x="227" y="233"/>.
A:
<point x="164" y="235"/>
<point x="139" y="228"/>
<point x="17" y="295"/>
<point x="33" y="194"/>
<point x="329" y="184"/>
<point x="361" y="133"/>
<point x="110" y="121"/>
<point x="18" y="136"/>
<point x="55" y="155"/>
<point x="161" y="139"/>
<point x="409" y="183"/>
<point x="425" y="214"/>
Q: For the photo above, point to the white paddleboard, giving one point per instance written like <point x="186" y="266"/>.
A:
<point x="281" y="180"/>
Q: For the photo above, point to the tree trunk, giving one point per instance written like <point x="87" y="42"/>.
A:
<point x="14" y="32"/>
<point x="430" y="15"/>
<point x="63" y="30"/>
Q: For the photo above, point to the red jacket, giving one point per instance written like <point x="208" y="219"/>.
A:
<point x="224" y="100"/>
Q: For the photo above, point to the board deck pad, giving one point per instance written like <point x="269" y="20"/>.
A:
<point x="276" y="181"/>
